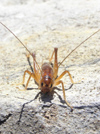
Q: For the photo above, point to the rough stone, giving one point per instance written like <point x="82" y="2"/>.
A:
<point x="42" y="25"/>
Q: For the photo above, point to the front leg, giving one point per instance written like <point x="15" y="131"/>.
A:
<point x="30" y="75"/>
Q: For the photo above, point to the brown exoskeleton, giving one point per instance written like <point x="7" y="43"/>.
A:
<point x="47" y="76"/>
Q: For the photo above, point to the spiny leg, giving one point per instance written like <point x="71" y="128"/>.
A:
<point x="35" y="75"/>
<point x="60" y="82"/>
<point x="36" y="67"/>
<point x="28" y="59"/>
<point x="30" y="75"/>
<point x="55" y="67"/>
<point x="68" y="75"/>
<point x="50" y="59"/>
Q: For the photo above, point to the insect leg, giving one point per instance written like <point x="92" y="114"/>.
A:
<point x="50" y="59"/>
<point x="36" y="68"/>
<point x="31" y="75"/>
<point x="28" y="59"/>
<point x="64" y="74"/>
<point x="60" y="82"/>
<point x="55" y="67"/>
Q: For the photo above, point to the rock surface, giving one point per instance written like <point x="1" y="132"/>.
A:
<point x="42" y="25"/>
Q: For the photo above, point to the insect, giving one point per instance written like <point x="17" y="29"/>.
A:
<point x="46" y="76"/>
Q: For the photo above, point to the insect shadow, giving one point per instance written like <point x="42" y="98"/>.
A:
<point x="44" y="98"/>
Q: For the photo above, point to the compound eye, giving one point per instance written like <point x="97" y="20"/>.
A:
<point x="42" y="84"/>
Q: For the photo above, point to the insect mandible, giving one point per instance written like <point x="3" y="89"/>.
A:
<point x="46" y="76"/>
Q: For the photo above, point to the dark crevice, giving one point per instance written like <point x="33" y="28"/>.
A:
<point x="5" y="118"/>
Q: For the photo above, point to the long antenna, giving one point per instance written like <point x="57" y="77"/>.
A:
<point x="19" y="41"/>
<point x="16" y="37"/>
<point x="78" y="46"/>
